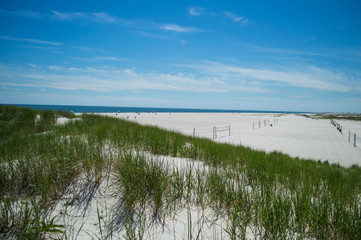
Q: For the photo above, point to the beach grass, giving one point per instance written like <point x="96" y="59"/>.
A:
<point x="334" y="116"/>
<point x="270" y="194"/>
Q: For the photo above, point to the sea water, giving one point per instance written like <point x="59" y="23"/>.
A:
<point x="103" y="109"/>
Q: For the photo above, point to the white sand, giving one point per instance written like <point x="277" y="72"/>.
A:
<point x="95" y="211"/>
<point x="64" y="120"/>
<point x="294" y="135"/>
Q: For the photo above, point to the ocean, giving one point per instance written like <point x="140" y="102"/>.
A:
<point x="103" y="109"/>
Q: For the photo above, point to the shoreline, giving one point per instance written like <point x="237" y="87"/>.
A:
<point x="105" y="109"/>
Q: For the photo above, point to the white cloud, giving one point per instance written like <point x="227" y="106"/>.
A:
<point x="87" y="17"/>
<point x="88" y="49"/>
<point x="55" y="68"/>
<point x="104" y="17"/>
<point x="206" y="77"/>
<point x="30" y="40"/>
<point x="176" y="28"/>
<point x="109" y="58"/>
<point x="311" y="77"/>
<point x="159" y="36"/>
<point x="239" y="19"/>
<point x="52" y="49"/>
<point x="130" y="71"/>
<point x="100" y="59"/>
<point x="281" y="51"/>
<point x="32" y="65"/>
<point x="63" y="69"/>
<point x="303" y="97"/>
<point x="114" y="79"/>
<point x="70" y="16"/>
<point x="67" y="16"/>
<point x="149" y="34"/>
<point x="23" y="13"/>
<point x="195" y="11"/>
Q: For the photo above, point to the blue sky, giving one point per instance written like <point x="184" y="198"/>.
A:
<point x="246" y="55"/>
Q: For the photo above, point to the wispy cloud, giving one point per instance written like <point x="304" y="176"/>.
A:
<point x="53" y="49"/>
<point x="150" y="34"/>
<point x="160" y="36"/>
<point x="30" y="40"/>
<point x="311" y="77"/>
<point x="89" y="49"/>
<point x="109" y="58"/>
<point x="176" y="28"/>
<point x="100" y="58"/>
<point x="32" y="65"/>
<point x="67" y="16"/>
<point x="283" y="51"/>
<point x="302" y="97"/>
<point x="102" y="17"/>
<point x="86" y="17"/>
<point x="198" y="11"/>
<point x="346" y="53"/>
<point x="195" y="11"/>
<point x="31" y="14"/>
<point x="105" y="17"/>
<point x="235" y="18"/>
<point x="206" y="77"/>
<point x="116" y="79"/>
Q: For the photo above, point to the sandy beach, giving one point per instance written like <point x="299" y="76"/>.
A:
<point x="107" y="179"/>
<point x="292" y="134"/>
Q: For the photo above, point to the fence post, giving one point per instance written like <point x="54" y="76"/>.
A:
<point x="349" y="136"/>
<point x="213" y="132"/>
<point x="253" y="126"/>
<point x="259" y="124"/>
<point x="354" y="140"/>
<point x="194" y="132"/>
<point x="229" y="130"/>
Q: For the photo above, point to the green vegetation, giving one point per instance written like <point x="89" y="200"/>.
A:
<point x="16" y="121"/>
<point x="276" y="196"/>
<point x="341" y="116"/>
<point x="62" y="113"/>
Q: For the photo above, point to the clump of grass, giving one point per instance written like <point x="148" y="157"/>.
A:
<point x="46" y="121"/>
<point x="66" y="114"/>
<point x="341" y="116"/>
<point x="146" y="183"/>
<point x="16" y="121"/>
